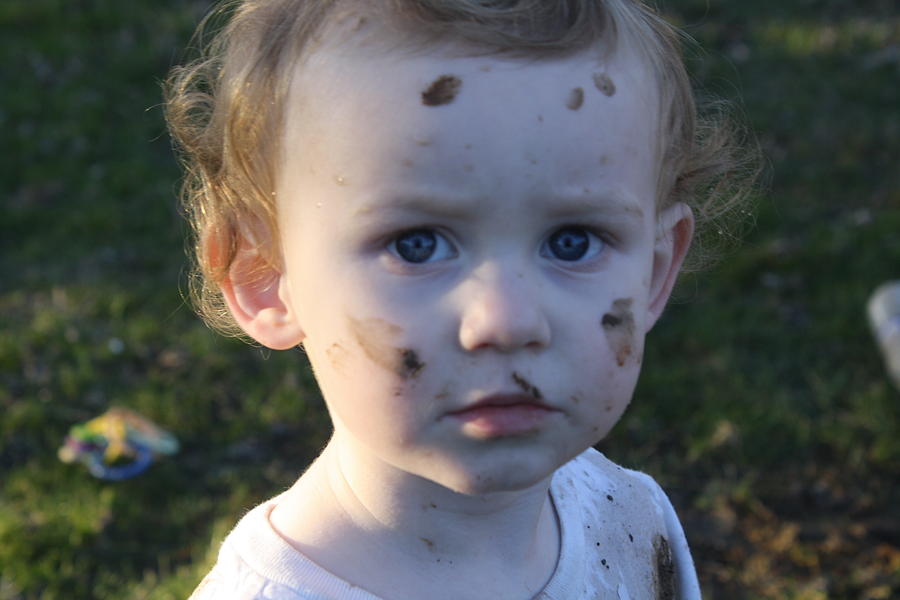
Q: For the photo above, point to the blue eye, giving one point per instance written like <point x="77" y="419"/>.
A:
<point x="420" y="245"/>
<point x="572" y="243"/>
<point x="568" y="244"/>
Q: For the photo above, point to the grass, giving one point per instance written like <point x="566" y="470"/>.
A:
<point x="763" y="408"/>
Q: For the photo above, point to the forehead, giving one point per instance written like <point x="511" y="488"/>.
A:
<point x="560" y="119"/>
<point x="377" y="63"/>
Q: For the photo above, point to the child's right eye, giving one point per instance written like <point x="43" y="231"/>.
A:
<point x="420" y="245"/>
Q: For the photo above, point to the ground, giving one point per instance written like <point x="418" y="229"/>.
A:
<point x="764" y="408"/>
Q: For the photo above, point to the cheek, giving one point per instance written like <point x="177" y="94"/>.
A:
<point x="369" y="374"/>
<point x="608" y="365"/>
<point x="369" y="401"/>
<point x="609" y="338"/>
<point x="622" y="332"/>
<point x="381" y="342"/>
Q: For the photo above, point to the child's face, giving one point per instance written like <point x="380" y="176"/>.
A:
<point x="494" y="235"/>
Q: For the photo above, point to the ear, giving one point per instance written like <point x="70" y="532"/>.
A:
<point x="258" y="297"/>
<point x="675" y="228"/>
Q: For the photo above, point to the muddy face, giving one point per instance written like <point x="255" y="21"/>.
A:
<point x="442" y="90"/>
<point x="665" y="569"/>
<point x="428" y="543"/>
<point x="576" y="99"/>
<point x="526" y="386"/>
<point x="410" y="365"/>
<point x="618" y="324"/>
<point x="336" y="353"/>
<point x="373" y="336"/>
<point x="603" y="83"/>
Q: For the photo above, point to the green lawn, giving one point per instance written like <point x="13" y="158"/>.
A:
<point x="763" y="408"/>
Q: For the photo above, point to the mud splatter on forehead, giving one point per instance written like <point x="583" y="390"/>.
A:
<point x="576" y="99"/>
<point x="603" y="83"/>
<point x="618" y="324"/>
<point x="442" y="90"/>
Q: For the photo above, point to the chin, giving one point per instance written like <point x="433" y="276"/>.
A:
<point x="497" y="476"/>
<point x="488" y="485"/>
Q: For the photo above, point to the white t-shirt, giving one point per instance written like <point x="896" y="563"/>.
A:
<point x="620" y="539"/>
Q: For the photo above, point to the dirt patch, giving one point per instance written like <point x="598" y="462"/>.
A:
<point x="603" y="83"/>
<point x="526" y="386"/>
<point x="336" y="354"/>
<point x="576" y="99"/>
<point x="410" y="365"/>
<point x="373" y="335"/>
<point x="618" y="324"/>
<point x="442" y="90"/>
<point x="665" y="569"/>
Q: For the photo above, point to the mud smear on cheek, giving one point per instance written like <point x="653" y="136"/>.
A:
<point x="526" y="386"/>
<point x="371" y="336"/>
<point x="442" y="90"/>
<point x="619" y="327"/>
<point x="410" y="365"/>
<point x="665" y="569"/>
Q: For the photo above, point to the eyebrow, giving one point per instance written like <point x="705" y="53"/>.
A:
<point x="459" y="209"/>
<point x="605" y="204"/>
<point x="420" y="203"/>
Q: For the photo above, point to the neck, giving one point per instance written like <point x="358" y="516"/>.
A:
<point x="504" y="543"/>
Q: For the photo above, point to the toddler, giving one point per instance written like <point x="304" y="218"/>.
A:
<point x="469" y="213"/>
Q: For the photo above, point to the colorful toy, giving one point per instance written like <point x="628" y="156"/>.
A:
<point x="119" y="434"/>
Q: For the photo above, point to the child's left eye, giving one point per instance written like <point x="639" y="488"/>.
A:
<point x="572" y="244"/>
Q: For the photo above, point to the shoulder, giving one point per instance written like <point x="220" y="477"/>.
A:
<point x="232" y="579"/>
<point x="597" y="477"/>
<point x="235" y="576"/>
<point x="626" y="488"/>
<point x="636" y="519"/>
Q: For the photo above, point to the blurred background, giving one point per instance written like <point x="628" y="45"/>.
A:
<point x="764" y="408"/>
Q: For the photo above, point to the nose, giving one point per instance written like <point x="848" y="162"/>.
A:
<point x="502" y="310"/>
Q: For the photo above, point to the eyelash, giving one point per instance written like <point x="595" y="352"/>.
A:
<point x="600" y="238"/>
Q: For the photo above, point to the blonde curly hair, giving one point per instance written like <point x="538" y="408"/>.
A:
<point x="225" y="110"/>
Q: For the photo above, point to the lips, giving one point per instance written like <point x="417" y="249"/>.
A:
<point x="503" y="415"/>
<point x="504" y="400"/>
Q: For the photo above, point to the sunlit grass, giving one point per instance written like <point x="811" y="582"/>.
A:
<point x="811" y="38"/>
